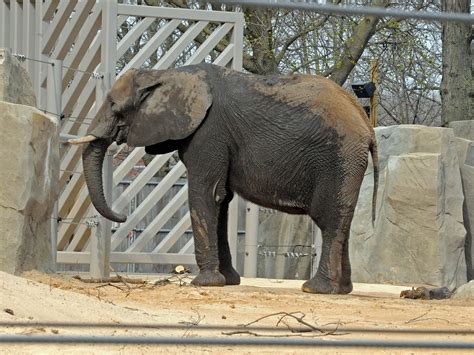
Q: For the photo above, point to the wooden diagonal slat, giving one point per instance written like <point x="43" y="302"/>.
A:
<point x="148" y="49"/>
<point x="188" y="247"/>
<point x="83" y="43"/>
<point x="208" y="45"/>
<point x="132" y="158"/>
<point x="132" y="35"/>
<point x="226" y="56"/>
<point x="49" y="8"/>
<point x="158" y="192"/>
<point x="89" y="63"/>
<point x="140" y="181"/>
<point x="175" y="233"/>
<point x="60" y="18"/>
<point x="178" y="47"/>
<point x="165" y="214"/>
<point x="73" y="29"/>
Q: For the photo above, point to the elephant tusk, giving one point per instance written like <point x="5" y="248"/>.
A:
<point x="82" y="140"/>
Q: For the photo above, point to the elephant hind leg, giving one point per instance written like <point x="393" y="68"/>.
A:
<point x="333" y="275"/>
<point x="334" y="270"/>
<point x="231" y="275"/>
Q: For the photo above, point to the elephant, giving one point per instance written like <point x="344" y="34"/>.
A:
<point x="297" y="143"/>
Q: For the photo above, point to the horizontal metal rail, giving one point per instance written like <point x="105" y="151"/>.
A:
<point x="209" y="341"/>
<point x="180" y="14"/>
<point x="352" y="10"/>
<point x="223" y="327"/>
<point x="74" y="257"/>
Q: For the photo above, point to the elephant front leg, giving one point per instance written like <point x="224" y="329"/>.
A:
<point x="204" y="218"/>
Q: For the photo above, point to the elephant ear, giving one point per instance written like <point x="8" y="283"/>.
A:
<point x="169" y="104"/>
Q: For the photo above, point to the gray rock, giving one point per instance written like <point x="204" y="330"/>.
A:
<point x="287" y="236"/>
<point x="465" y="148"/>
<point x="29" y="172"/>
<point x="15" y="84"/>
<point x="465" y="292"/>
<point x="419" y="234"/>
<point x="463" y="129"/>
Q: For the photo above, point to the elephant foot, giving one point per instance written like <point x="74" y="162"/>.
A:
<point x="345" y="287"/>
<point x="232" y="277"/>
<point x="209" y="278"/>
<point x="318" y="285"/>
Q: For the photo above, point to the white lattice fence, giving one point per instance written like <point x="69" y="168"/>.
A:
<point x="82" y="35"/>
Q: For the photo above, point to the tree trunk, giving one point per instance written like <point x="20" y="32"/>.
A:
<point x="355" y="45"/>
<point x="457" y="92"/>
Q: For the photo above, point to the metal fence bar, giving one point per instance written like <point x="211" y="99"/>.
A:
<point x="251" y="234"/>
<point x="232" y="228"/>
<point x="100" y="237"/>
<point x="208" y="341"/>
<point x="54" y="105"/>
<point x="352" y="10"/>
<point x="29" y="36"/>
<point x="221" y="327"/>
<point x="173" y="13"/>
<point x="149" y="258"/>
<point x="238" y="40"/>
<point x="5" y="25"/>
<point x="16" y="33"/>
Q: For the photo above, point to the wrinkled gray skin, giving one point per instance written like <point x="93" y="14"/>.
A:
<point x="298" y="144"/>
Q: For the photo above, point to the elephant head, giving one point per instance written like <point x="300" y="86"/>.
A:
<point x="143" y="107"/>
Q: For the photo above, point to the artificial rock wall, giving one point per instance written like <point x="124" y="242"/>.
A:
<point x="29" y="172"/>
<point x="419" y="234"/>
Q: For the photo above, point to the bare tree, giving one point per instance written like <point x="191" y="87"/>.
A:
<point x="457" y="86"/>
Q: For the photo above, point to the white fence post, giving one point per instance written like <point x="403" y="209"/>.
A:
<point x="54" y="87"/>
<point x="100" y="242"/>
<point x="232" y="228"/>
<point x="251" y="240"/>
<point x="5" y="25"/>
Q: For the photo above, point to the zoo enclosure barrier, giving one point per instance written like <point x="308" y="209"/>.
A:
<point x="74" y="51"/>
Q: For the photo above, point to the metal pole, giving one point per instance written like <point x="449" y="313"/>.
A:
<point x="207" y="341"/>
<point x="353" y="10"/>
<point x="251" y="238"/>
<point x="232" y="228"/>
<point x="101" y="236"/>
<point x="54" y="89"/>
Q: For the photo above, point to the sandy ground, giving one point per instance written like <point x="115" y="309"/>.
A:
<point x="128" y="309"/>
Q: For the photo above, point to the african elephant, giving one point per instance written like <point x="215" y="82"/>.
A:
<point x="298" y="144"/>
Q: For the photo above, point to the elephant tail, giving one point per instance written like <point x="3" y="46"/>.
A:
<point x="375" y="163"/>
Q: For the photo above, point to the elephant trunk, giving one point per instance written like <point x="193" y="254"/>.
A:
<point x="93" y="159"/>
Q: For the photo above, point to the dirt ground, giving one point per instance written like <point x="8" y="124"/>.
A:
<point x="148" y="309"/>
